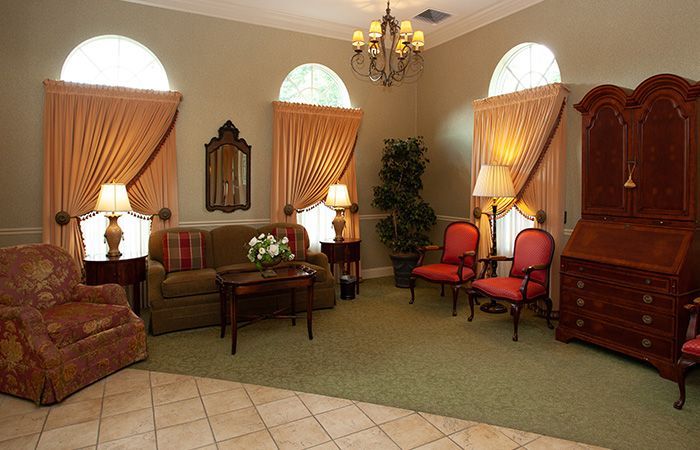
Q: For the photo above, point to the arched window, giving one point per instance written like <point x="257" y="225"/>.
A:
<point x="315" y="84"/>
<point x="115" y="61"/>
<point x="524" y="66"/>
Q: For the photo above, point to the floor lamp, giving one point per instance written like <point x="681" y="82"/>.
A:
<point x="494" y="182"/>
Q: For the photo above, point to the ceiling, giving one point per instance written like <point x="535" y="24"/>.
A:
<point x="338" y="18"/>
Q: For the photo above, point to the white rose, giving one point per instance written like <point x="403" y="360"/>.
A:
<point x="253" y="241"/>
<point x="270" y="237"/>
<point x="291" y="256"/>
<point x="285" y="240"/>
<point x="274" y="250"/>
<point x="262" y="236"/>
<point x="259" y="256"/>
<point x="261" y="251"/>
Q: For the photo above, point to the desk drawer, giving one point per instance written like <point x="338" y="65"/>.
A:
<point x="644" y="320"/>
<point x="632" y="278"/>
<point x="636" y="341"/>
<point x="644" y="300"/>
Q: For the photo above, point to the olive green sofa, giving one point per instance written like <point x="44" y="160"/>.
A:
<point x="190" y="299"/>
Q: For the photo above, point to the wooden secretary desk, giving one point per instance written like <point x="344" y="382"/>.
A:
<point x="633" y="260"/>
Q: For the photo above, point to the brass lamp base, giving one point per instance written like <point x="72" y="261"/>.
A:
<point x="113" y="234"/>
<point x="339" y="225"/>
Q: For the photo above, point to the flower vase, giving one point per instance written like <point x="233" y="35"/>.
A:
<point x="265" y="267"/>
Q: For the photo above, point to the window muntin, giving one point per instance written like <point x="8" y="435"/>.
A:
<point x="525" y="66"/>
<point x="314" y="84"/>
<point x="115" y="61"/>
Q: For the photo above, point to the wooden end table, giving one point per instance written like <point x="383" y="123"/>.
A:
<point x="343" y="253"/>
<point x="234" y="285"/>
<point x="124" y="270"/>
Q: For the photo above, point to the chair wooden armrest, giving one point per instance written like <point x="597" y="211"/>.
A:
<point x="694" y="309"/>
<point x="529" y="269"/>
<point x="426" y="248"/>
<point x="465" y="254"/>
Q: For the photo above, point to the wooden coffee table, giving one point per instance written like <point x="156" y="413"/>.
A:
<point x="234" y="285"/>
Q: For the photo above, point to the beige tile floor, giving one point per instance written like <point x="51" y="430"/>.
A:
<point x="137" y="409"/>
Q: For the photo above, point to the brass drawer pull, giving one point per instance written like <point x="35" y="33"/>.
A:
<point x="648" y="299"/>
<point x="579" y="323"/>
<point x="580" y="284"/>
<point x="646" y="318"/>
<point x="580" y="302"/>
<point x="646" y="343"/>
<point x="647" y="281"/>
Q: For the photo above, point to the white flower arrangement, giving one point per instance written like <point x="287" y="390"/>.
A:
<point x="265" y="249"/>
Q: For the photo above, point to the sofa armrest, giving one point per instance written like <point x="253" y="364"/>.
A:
<point x="156" y="276"/>
<point x="110" y="294"/>
<point x="24" y="338"/>
<point x="318" y="259"/>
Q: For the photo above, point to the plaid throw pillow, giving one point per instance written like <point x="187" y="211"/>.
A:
<point x="183" y="250"/>
<point x="297" y="243"/>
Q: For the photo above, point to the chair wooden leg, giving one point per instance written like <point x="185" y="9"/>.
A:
<point x="681" y="367"/>
<point x="442" y="290"/>
<point x="455" y="294"/>
<point x="412" y="285"/>
<point x="548" y="301"/>
<point x="515" y="310"/>
<point x="471" y="295"/>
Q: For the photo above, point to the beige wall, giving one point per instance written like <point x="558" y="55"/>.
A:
<point x="595" y="42"/>
<point x="224" y="69"/>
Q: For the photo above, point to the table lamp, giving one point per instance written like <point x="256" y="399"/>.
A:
<point x="113" y="200"/>
<point x="494" y="182"/>
<point x="338" y="199"/>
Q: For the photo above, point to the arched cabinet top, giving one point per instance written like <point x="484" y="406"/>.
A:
<point x="688" y="89"/>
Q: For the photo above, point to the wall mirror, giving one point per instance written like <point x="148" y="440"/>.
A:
<point x="228" y="171"/>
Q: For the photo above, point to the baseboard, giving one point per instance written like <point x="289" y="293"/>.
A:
<point x="377" y="272"/>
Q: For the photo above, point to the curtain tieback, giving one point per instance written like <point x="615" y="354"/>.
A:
<point x="541" y="216"/>
<point x="288" y="209"/>
<point x="62" y="218"/>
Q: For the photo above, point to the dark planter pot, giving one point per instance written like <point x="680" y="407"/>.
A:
<point x="403" y="265"/>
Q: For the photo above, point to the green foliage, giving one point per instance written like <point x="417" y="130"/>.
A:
<point x="410" y="218"/>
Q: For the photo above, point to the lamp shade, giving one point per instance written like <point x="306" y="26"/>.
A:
<point x="338" y="196"/>
<point x="358" y="39"/>
<point x="418" y="39"/>
<point x="494" y="181"/>
<point x="113" y="198"/>
<point x="375" y="29"/>
<point x="406" y="28"/>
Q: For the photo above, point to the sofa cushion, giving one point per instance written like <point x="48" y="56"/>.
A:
<point x="189" y="282"/>
<point x="297" y="240"/>
<point x="71" y="322"/>
<point x="183" y="250"/>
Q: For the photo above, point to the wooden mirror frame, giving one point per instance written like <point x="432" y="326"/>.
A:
<point x="228" y="135"/>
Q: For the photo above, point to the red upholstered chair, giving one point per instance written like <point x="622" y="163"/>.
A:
<point x="690" y="353"/>
<point x="528" y="280"/>
<point x="57" y="335"/>
<point x="457" y="265"/>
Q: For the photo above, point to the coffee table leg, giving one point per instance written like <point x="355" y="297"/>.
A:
<point x="222" y="312"/>
<point x="234" y="322"/>
<point x="293" y="307"/>
<point x="309" y="307"/>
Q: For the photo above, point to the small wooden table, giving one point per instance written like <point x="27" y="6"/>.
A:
<point x="343" y="253"/>
<point x="233" y="285"/>
<point x="124" y="270"/>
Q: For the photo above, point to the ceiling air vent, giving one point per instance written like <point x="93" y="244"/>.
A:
<point x="432" y="16"/>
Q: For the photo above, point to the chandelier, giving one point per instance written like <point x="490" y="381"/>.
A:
<point x="393" y="51"/>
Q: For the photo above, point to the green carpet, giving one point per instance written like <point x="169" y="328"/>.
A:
<point x="380" y="349"/>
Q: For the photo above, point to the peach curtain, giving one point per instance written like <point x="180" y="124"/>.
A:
<point x="524" y="130"/>
<point x="156" y="187"/>
<point x="312" y="148"/>
<point x="94" y="135"/>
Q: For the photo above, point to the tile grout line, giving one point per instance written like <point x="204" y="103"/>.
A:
<point x="99" y="417"/>
<point x="260" y="415"/>
<point x="153" y="407"/>
<point x="206" y="414"/>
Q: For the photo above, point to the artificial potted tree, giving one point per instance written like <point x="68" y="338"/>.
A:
<point x="410" y="217"/>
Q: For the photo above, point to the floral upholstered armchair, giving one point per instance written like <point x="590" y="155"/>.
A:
<point x="57" y="335"/>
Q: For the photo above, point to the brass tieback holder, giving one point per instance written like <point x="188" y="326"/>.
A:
<point x="630" y="184"/>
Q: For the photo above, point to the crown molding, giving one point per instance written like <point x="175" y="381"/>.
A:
<point x="220" y="9"/>
<point x="464" y="25"/>
<point x="282" y="20"/>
